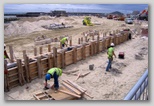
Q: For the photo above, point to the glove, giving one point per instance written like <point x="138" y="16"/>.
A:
<point x="45" y="88"/>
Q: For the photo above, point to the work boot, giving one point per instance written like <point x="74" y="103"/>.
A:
<point x="56" y="89"/>
<point x="45" y="88"/>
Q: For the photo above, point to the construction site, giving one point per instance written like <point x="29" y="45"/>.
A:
<point x="33" y="46"/>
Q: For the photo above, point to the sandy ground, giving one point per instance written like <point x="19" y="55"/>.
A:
<point x="113" y="85"/>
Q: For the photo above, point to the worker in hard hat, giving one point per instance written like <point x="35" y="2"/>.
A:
<point x="64" y="41"/>
<point x="53" y="73"/>
<point x="110" y="53"/>
<point x="5" y="53"/>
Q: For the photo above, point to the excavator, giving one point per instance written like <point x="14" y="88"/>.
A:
<point x="87" y="21"/>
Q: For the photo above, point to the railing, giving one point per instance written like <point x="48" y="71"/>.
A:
<point x="140" y="90"/>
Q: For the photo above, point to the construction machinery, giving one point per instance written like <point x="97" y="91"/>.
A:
<point x="87" y="21"/>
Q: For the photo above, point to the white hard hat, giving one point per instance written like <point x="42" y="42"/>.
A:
<point x="112" y="44"/>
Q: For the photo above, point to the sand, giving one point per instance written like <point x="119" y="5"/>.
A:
<point x="113" y="85"/>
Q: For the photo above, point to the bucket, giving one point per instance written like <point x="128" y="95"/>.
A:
<point x="91" y="67"/>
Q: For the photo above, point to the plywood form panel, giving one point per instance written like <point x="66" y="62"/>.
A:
<point x="79" y="54"/>
<point x="87" y="50"/>
<point x="69" y="57"/>
<point x="13" y="70"/>
<point x="59" y="60"/>
<point x="100" y="46"/>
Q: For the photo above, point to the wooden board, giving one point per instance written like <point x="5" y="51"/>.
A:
<point x="59" y="95"/>
<point x="79" y="54"/>
<point x="42" y="96"/>
<point x="100" y="46"/>
<point x="14" y="84"/>
<point x="69" y="57"/>
<point x="59" y="60"/>
<point x="87" y="50"/>
<point x="13" y="70"/>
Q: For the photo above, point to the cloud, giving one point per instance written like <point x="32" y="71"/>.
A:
<point x="102" y="8"/>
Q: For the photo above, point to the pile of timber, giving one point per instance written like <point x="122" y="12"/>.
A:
<point x="68" y="91"/>
<point x="41" y="40"/>
<point x="56" y="26"/>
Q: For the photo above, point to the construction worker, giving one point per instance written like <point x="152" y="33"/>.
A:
<point x="5" y="53"/>
<point x="110" y="53"/>
<point x="64" y="41"/>
<point x="53" y="73"/>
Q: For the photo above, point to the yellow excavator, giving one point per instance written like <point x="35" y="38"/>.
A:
<point x="87" y="21"/>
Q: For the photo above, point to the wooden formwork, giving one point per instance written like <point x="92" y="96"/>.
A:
<point x="107" y="42"/>
<point x="79" y="53"/>
<point x="69" y="57"/>
<point x="101" y="45"/>
<point x="13" y="77"/>
<point x="33" y="70"/>
<point x="59" y="60"/>
<point x="28" y="70"/>
<point x="112" y="40"/>
<point x="87" y="50"/>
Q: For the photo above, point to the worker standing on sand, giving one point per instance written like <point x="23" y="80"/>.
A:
<point x="64" y="41"/>
<point x="110" y="53"/>
<point x="53" y="73"/>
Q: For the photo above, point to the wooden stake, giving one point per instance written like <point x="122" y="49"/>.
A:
<point x="97" y="44"/>
<point x="26" y="63"/>
<point x="6" y="81"/>
<point x="55" y="56"/>
<point x="63" y="59"/>
<point x="39" y="67"/>
<point x="93" y="37"/>
<point x="49" y="48"/>
<point x="86" y="40"/>
<point x="70" y="42"/>
<point x="91" y="46"/>
<point x="20" y="71"/>
<point x="40" y="49"/>
<point x="35" y="51"/>
<point x="78" y="40"/>
<point x="49" y="61"/>
<point x="11" y="54"/>
<point x="83" y="52"/>
<point x="60" y="45"/>
<point x="74" y="55"/>
<point x="81" y="39"/>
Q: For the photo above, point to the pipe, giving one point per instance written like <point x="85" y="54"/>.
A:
<point x="133" y="91"/>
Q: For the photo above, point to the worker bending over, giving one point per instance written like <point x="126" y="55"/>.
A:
<point x="64" y="41"/>
<point x="110" y="53"/>
<point x="53" y="73"/>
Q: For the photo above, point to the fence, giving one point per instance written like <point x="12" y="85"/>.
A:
<point x="140" y="90"/>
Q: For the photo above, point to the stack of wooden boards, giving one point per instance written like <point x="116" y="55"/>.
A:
<point x="68" y="91"/>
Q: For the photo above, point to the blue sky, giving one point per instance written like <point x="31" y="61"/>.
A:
<point x="101" y="8"/>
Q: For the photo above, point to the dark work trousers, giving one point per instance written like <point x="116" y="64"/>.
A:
<point x="56" y="83"/>
<point x="63" y="45"/>
<point x="109" y="64"/>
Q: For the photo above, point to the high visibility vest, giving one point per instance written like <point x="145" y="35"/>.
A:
<point x="5" y="57"/>
<point x="63" y="40"/>
<point x="53" y="70"/>
<point x="110" y="52"/>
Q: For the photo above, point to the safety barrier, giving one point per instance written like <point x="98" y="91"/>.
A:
<point x="140" y="90"/>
